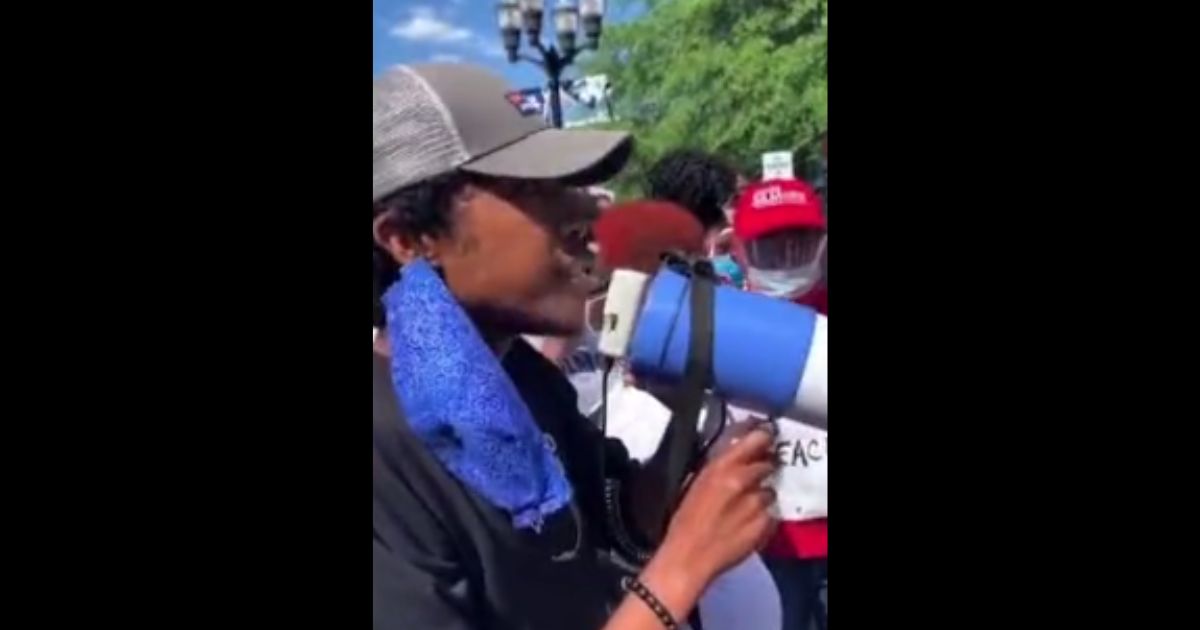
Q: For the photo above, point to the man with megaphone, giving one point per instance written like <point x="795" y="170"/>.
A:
<point x="495" y="504"/>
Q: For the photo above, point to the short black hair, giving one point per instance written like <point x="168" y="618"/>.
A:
<point x="698" y="181"/>
<point x="421" y="209"/>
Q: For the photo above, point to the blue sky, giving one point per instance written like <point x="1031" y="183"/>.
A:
<point x="410" y="31"/>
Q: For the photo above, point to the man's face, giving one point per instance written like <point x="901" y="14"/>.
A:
<point x="517" y="256"/>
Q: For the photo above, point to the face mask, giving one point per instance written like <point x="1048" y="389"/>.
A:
<point x="787" y="284"/>
<point x="727" y="268"/>
<point x="593" y="316"/>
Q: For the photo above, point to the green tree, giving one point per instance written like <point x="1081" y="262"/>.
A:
<point x="735" y="77"/>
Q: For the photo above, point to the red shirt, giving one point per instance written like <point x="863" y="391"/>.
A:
<point x="804" y="539"/>
<point x="818" y="299"/>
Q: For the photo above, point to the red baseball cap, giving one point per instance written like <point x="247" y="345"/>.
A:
<point x="776" y="205"/>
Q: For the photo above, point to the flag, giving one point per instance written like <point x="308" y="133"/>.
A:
<point x="528" y="101"/>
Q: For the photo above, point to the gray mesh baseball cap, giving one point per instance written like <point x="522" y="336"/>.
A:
<point x="434" y="118"/>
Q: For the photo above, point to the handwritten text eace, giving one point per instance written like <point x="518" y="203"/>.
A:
<point x="801" y="452"/>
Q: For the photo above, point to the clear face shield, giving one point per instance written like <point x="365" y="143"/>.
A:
<point x="790" y="249"/>
<point x="787" y="264"/>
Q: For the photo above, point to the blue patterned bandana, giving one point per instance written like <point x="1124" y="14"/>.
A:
<point x="462" y="405"/>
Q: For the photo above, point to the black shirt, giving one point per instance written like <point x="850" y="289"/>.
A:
<point x="446" y="559"/>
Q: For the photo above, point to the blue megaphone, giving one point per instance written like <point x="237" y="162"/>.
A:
<point x="769" y="355"/>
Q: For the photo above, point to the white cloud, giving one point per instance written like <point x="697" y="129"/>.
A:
<point x="426" y="25"/>
<point x="423" y="25"/>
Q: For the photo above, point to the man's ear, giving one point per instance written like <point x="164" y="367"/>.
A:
<point x="402" y="247"/>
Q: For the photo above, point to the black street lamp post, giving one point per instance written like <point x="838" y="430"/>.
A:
<point x="516" y="16"/>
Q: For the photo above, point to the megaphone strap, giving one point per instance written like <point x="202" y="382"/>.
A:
<point x="682" y="433"/>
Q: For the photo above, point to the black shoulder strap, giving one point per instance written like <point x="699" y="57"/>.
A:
<point x="682" y="432"/>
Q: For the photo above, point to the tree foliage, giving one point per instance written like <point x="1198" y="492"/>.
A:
<point x="735" y="77"/>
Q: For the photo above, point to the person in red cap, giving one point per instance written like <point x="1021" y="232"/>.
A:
<point x="780" y="241"/>
<point x="780" y="238"/>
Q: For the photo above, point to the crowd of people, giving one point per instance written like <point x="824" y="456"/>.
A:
<point x="515" y="469"/>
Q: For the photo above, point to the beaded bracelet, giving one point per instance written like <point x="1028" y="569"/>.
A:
<point x="632" y="585"/>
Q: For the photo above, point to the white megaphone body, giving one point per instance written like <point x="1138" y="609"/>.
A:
<point x="769" y="355"/>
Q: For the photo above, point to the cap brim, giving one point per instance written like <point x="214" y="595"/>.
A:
<point x="578" y="157"/>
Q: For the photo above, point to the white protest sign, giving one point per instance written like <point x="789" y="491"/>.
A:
<point x="639" y="420"/>
<point x="778" y="165"/>
<point x="802" y="483"/>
